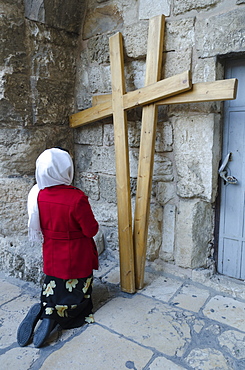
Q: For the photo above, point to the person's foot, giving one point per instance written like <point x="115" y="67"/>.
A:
<point x="43" y="331"/>
<point x="27" y="326"/>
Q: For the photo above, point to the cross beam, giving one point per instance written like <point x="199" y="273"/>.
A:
<point x="146" y="95"/>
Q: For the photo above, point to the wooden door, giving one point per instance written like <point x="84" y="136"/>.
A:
<point x="231" y="249"/>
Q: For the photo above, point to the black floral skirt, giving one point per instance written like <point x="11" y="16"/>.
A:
<point x="68" y="302"/>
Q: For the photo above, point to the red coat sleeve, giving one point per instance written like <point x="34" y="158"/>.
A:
<point x="85" y="217"/>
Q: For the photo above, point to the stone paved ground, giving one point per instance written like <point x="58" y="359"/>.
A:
<point x="173" y="323"/>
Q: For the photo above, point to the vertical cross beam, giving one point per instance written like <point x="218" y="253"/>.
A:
<point x="147" y="149"/>
<point x="126" y="255"/>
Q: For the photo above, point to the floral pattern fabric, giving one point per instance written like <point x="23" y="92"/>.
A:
<point x="68" y="302"/>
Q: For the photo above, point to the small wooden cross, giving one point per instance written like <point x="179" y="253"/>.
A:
<point x="174" y="90"/>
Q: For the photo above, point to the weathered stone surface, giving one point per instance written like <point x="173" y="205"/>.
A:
<point x="226" y="310"/>
<point x="19" y="148"/>
<point x="181" y="6"/>
<point x="154" y="235"/>
<point x="124" y="353"/>
<point x="124" y="318"/>
<point x="175" y="62"/>
<point x="205" y="70"/>
<point x="152" y="8"/>
<point x="164" y="137"/>
<point x="168" y="232"/>
<point x="19" y="358"/>
<point x="163" y="168"/>
<point x="89" y="183"/>
<point x="134" y="38"/>
<point x="11" y="316"/>
<point x="135" y="75"/>
<point x="19" y="259"/>
<point x="165" y="192"/>
<point x="101" y="19"/>
<point x="191" y="298"/>
<point x="212" y="37"/>
<point x="194" y="155"/>
<point x="179" y="35"/>
<point x="208" y="358"/>
<point x="56" y="13"/>
<point x="108" y="188"/>
<point x="193" y="233"/>
<point x="89" y="134"/>
<point x="162" y="288"/>
<point x="163" y="363"/>
<point x="234" y="342"/>
<point x="98" y="49"/>
<point x="8" y="292"/>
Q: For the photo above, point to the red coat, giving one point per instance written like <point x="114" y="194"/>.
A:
<point x="68" y="226"/>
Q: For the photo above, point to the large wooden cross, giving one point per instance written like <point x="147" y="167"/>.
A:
<point x="174" y="90"/>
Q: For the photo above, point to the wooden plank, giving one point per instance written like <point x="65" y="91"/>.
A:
<point x="126" y="252"/>
<point x="147" y="149"/>
<point x="204" y="92"/>
<point x="157" y="91"/>
<point x="201" y="92"/>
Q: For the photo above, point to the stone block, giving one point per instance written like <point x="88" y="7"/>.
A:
<point x="181" y="6"/>
<point x="194" y="231"/>
<point x="56" y="13"/>
<point x="108" y="188"/>
<point x="168" y="233"/>
<point x="19" y="259"/>
<point x="163" y="288"/>
<point x="191" y="298"/>
<point x="89" y="183"/>
<point x="135" y="39"/>
<point x="220" y="34"/>
<point x="19" y="148"/>
<point x="179" y="35"/>
<point x="134" y="75"/>
<point x="90" y="134"/>
<point x="95" y="159"/>
<point x="98" y="49"/>
<point x="210" y="358"/>
<point x="154" y="232"/>
<point x="164" y="137"/>
<point x="194" y="155"/>
<point x="234" y="341"/>
<point x="204" y="70"/>
<point x="129" y="11"/>
<point x="163" y="363"/>
<point x="157" y="320"/>
<point x="163" y="168"/>
<point x="152" y="8"/>
<point x="97" y="348"/>
<point x="102" y="19"/>
<point x="226" y="310"/>
<point x="166" y="191"/>
<point x="175" y="62"/>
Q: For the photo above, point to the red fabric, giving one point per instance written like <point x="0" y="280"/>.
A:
<point x="68" y="226"/>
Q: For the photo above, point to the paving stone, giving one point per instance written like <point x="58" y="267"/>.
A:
<point x="11" y="315"/>
<point x="234" y="342"/>
<point x="226" y="310"/>
<point x="163" y="363"/>
<point x="191" y="298"/>
<point x="99" y="349"/>
<point x="207" y="359"/>
<point x="148" y="322"/>
<point x="19" y="358"/>
<point x="163" y="288"/>
<point x="8" y="291"/>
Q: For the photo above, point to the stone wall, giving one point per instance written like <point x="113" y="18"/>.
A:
<point x="38" y="64"/>
<point x="55" y="57"/>
<point x="188" y="144"/>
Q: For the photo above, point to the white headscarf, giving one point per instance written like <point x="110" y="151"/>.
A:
<point x="53" y="167"/>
